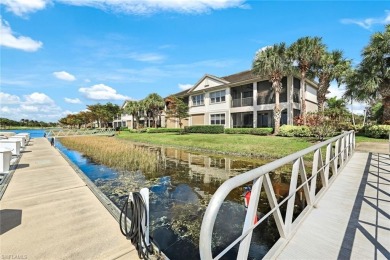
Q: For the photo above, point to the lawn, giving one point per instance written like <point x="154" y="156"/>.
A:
<point x="360" y="139"/>
<point x="237" y="144"/>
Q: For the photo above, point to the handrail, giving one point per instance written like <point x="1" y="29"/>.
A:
<point x="344" y="147"/>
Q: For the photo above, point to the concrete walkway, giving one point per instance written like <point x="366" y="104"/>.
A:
<point x="48" y="212"/>
<point x="352" y="220"/>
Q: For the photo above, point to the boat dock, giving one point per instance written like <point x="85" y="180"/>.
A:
<point x="49" y="212"/>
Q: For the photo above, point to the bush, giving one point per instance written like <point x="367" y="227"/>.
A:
<point x="163" y="130"/>
<point x="378" y="131"/>
<point x="297" y="131"/>
<point x="205" y="129"/>
<point x="250" y="131"/>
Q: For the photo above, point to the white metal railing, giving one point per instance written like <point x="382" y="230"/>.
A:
<point x="335" y="159"/>
<point x="79" y="132"/>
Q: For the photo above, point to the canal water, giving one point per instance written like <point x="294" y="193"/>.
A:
<point x="34" y="133"/>
<point x="179" y="196"/>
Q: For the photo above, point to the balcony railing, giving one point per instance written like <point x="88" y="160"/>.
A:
<point x="242" y="102"/>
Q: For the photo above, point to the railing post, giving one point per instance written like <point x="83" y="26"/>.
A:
<point x="250" y="218"/>
<point x="327" y="160"/>
<point x="341" y="147"/>
<point x="269" y="190"/>
<point x="292" y="192"/>
<point x="313" y="182"/>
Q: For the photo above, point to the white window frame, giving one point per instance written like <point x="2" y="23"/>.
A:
<point x="218" y="95"/>
<point x="196" y="103"/>
<point x="220" y="118"/>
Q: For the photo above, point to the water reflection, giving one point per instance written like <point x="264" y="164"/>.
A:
<point x="180" y="192"/>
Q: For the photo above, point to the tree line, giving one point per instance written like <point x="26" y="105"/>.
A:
<point x="309" y="57"/>
<point x="6" y="123"/>
<point x="149" y="109"/>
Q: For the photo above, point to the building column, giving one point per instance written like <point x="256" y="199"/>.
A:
<point x="228" y="116"/>
<point x="290" y="100"/>
<point x="254" y="104"/>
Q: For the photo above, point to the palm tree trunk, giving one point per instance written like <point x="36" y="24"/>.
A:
<point x="303" y="97"/>
<point x="386" y="109"/>
<point x="353" y="116"/>
<point x="277" y="113"/>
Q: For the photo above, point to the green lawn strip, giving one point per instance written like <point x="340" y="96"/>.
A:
<point x="235" y="144"/>
<point x="361" y="139"/>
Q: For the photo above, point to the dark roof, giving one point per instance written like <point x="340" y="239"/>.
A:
<point x="241" y="76"/>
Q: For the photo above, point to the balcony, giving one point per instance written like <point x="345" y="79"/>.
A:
<point x="242" y="102"/>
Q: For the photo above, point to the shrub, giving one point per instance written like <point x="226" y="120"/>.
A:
<point x="205" y="129"/>
<point x="163" y="130"/>
<point x="378" y="131"/>
<point x="298" y="131"/>
<point x="251" y="131"/>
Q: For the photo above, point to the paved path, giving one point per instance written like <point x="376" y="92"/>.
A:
<point x="48" y="212"/>
<point x="352" y="220"/>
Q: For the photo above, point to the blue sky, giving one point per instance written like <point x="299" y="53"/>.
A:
<point x="57" y="56"/>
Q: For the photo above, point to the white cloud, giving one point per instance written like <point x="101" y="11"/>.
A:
<point x="8" y="39"/>
<point x="7" y="99"/>
<point x="335" y="91"/>
<point x="63" y="75"/>
<point x="21" y="7"/>
<point x="145" y="7"/>
<point x="185" y="86"/>
<point x="368" y="22"/>
<point x="146" y="57"/>
<point x="102" y="92"/>
<point x="72" y="100"/>
<point x="36" y="106"/>
<point x="87" y="80"/>
<point x="29" y="108"/>
<point x="38" y="98"/>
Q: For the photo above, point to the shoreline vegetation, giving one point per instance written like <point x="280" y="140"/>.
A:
<point x="122" y="155"/>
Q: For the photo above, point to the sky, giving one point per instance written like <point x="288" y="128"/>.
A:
<point x="58" y="56"/>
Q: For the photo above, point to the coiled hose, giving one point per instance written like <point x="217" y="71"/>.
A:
<point x="135" y="210"/>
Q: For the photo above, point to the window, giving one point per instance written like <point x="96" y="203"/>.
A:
<point x="217" y="119"/>
<point x="217" y="97"/>
<point x="198" y="100"/>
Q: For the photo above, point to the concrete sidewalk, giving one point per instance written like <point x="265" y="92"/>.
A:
<point x="48" y="212"/>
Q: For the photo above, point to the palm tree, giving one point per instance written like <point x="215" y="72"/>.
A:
<point x="273" y="63"/>
<point x="337" y="108"/>
<point x="306" y="52"/>
<point x="154" y="104"/>
<point x="132" y="108"/>
<point x="375" y="67"/>
<point x="331" y="66"/>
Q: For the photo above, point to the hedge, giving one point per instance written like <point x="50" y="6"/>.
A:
<point x="250" y="131"/>
<point x="377" y="131"/>
<point x="205" y="129"/>
<point x="163" y="130"/>
<point x="297" y="131"/>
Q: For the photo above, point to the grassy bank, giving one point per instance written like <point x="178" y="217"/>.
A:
<point x="238" y="144"/>
<point x="113" y="153"/>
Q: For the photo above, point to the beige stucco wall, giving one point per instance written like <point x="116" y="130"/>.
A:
<point x="197" y="119"/>
<point x="311" y="107"/>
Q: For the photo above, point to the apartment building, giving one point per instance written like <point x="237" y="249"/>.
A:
<point x="239" y="100"/>
<point x="244" y="100"/>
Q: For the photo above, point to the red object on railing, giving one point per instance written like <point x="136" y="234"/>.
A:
<point x="247" y="198"/>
